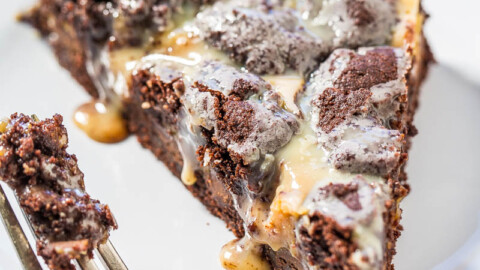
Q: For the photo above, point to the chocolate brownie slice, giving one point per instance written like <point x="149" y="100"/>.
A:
<point x="289" y="120"/>
<point x="67" y="222"/>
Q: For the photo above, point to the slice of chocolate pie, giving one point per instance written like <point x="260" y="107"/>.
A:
<point x="50" y="188"/>
<point x="289" y="120"/>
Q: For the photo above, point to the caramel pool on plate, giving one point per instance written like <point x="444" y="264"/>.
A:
<point x="102" y="122"/>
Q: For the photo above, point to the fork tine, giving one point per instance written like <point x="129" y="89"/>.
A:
<point x="110" y="257"/>
<point x="24" y="250"/>
<point x="87" y="264"/>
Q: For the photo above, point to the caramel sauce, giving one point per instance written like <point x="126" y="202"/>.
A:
<point x="287" y="86"/>
<point x="3" y="129"/>
<point x="120" y="59"/>
<point x="102" y="122"/>
<point x="302" y="165"/>
<point x="242" y="254"/>
<point x="182" y="44"/>
<point x="185" y="44"/>
<point x="409" y="28"/>
<point x="188" y="172"/>
<point x="3" y="126"/>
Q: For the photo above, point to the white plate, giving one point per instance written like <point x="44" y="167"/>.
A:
<point x="163" y="227"/>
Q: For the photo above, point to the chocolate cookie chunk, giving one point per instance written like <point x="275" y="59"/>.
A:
<point x="358" y="99"/>
<point x="266" y="42"/>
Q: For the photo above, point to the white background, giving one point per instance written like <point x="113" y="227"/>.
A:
<point x="163" y="227"/>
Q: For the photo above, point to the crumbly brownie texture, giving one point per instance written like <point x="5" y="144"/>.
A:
<point x="325" y="243"/>
<point x="49" y="185"/>
<point x="58" y="23"/>
<point x="227" y="125"/>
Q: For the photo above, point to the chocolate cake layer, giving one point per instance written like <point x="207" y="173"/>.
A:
<point x="290" y="121"/>
<point x="49" y="185"/>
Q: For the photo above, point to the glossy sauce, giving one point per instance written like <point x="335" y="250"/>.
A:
<point x="243" y="254"/>
<point x="3" y="126"/>
<point x="288" y="86"/>
<point x="102" y="122"/>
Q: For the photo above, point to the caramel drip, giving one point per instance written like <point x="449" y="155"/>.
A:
<point x="243" y="254"/>
<point x="102" y="122"/>
<point x="288" y="86"/>
<point x="182" y="44"/>
<point x="408" y="31"/>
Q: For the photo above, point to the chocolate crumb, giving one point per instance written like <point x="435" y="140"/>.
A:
<point x="159" y="95"/>
<point x="326" y="244"/>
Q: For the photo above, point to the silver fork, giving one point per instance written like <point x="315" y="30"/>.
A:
<point x="108" y="255"/>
